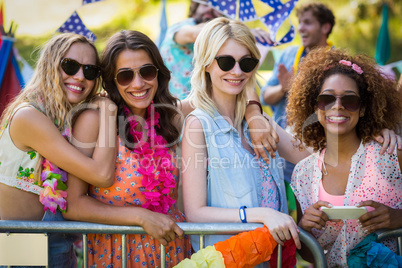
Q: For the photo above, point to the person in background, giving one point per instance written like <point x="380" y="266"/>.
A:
<point x="35" y="153"/>
<point x="177" y="49"/>
<point x="315" y="25"/>
<point x="337" y="104"/>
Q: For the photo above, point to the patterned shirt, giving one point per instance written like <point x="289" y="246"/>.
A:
<point x="372" y="176"/>
<point x="178" y="59"/>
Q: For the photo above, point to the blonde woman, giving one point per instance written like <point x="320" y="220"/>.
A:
<point x="67" y="74"/>
<point x="223" y="181"/>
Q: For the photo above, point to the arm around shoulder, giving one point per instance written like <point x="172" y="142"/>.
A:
<point x="31" y="130"/>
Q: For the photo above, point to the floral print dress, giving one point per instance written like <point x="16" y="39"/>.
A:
<point x="105" y="250"/>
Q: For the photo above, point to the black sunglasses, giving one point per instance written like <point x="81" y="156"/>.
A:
<point x="71" y="67"/>
<point x="126" y="75"/>
<point x="349" y="102"/>
<point x="226" y="63"/>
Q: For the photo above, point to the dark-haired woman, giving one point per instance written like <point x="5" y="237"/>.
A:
<point x="145" y="189"/>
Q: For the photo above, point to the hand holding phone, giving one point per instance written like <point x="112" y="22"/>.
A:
<point x="344" y="212"/>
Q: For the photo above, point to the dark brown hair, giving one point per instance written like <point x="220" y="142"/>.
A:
<point x="167" y="103"/>
<point x="322" y="13"/>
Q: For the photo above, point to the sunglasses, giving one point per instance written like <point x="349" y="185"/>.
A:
<point x="125" y="76"/>
<point x="349" y="102"/>
<point x="226" y="63"/>
<point x="71" y="67"/>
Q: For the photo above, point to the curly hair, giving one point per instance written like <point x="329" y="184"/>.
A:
<point x="135" y="40"/>
<point x="378" y="96"/>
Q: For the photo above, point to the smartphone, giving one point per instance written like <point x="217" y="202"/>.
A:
<point x="344" y="212"/>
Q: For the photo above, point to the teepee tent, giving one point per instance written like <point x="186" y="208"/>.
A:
<point x="11" y="81"/>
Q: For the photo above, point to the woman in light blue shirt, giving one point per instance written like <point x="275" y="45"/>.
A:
<point x="223" y="181"/>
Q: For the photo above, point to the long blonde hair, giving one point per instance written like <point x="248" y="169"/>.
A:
<point x="45" y="90"/>
<point x="209" y="41"/>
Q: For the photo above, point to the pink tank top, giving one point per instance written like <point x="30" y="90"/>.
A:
<point x="335" y="200"/>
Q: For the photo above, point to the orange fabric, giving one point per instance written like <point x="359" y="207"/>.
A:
<point x="143" y="250"/>
<point x="247" y="249"/>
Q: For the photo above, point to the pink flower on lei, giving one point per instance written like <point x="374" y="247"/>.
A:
<point x="51" y="197"/>
<point x="50" y="170"/>
<point x="158" y="202"/>
<point x="154" y="163"/>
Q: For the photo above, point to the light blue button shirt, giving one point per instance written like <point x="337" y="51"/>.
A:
<point x="233" y="173"/>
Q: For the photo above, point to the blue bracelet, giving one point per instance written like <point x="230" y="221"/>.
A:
<point x="242" y="214"/>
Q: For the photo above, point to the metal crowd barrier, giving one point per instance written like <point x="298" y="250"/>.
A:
<point x="392" y="233"/>
<point x="201" y="229"/>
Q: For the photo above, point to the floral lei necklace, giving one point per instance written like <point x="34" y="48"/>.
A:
<point x="155" y="164"/>
<point x="53" y="180"/>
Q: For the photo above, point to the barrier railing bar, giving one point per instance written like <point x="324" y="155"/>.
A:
<point x="124" y="250"/>
<point x="202" y="241"/>
<point x="315" y="248"/>
<point x="200" y="229"/>
<point x="392" y="233"/>
<point x="279" y="259"/>
<point x="85" y="250"/>
<point x="163" y="256"/>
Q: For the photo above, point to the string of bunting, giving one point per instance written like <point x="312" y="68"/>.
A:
<point x="244" y="10"/>
<point x="245" y="250"/>
<point x="74" y="24"/>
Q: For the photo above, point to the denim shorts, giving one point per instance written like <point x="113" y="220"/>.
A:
<point x="61" y="251"/>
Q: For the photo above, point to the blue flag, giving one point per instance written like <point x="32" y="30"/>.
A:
<point x="74" y="24"/>
<point x="277" y="17"/>
<point x="243" y="10"/>
<point x="383" y="46"/>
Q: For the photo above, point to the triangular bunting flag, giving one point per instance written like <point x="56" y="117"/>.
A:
<point x="85" y="2"/>
<point x="276" y="18"/>
<point x="244" y="10"/>
<point x="75" y="25"/>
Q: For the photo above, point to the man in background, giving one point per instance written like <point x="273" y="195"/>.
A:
<point x="315" y="25"/>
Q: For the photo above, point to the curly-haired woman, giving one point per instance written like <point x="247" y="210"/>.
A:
<point x="337" y="103"/>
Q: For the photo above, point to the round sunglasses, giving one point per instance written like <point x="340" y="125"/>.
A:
<point x="226" y="63"/>
<point x="71" y="67"/>
<point x="126" y="75"/>
<point x="349" y="102"/>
